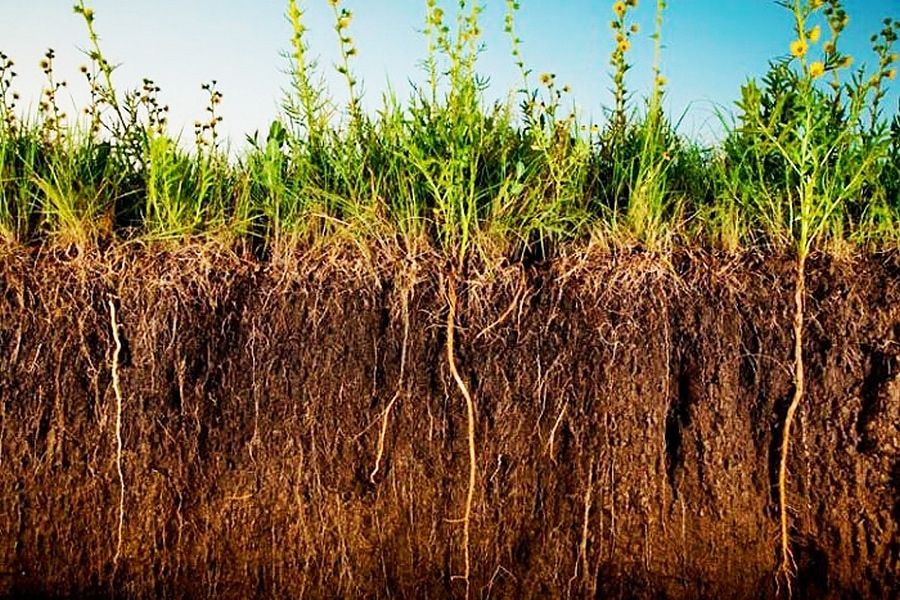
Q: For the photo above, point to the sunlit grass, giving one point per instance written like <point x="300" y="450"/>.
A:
<point x="811" y="159"/>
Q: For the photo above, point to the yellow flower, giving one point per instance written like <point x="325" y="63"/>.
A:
<point x="893" y="57"/>
<point x="816" y="69"/>
<point x="624" y="45"/>
<point x="546" y="78"/>
<point x="333" y="2"/>
<point x="798" y="48"/>
<point x="619" y="9"/>
<point x="847" y="61"/>
<point x="814" y="34"/>
<point x="817" y="3"/>
<point x="661" y="80"/>
<point x="828" y="48"/>
<point x="635" y="28"/>
<point x="892" y="74"/>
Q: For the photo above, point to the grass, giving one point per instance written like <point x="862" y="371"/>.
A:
<point x="811" y="160"/>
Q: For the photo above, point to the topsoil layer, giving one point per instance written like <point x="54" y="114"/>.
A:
<point x="628" y="414"/>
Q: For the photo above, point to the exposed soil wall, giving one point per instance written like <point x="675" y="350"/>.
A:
<point x="627" y="427"/>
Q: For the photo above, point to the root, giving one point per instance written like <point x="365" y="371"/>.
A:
<point x="386" y="416"/>
<point x="585" y="527"/>
<point x="581" y="560"/>
<point x="114" y="325"/>
<point x="385" y="421"/>
<point x="559" y="418"/>
<point x="470" y="412"/>
<point x="786" y="569"/>
<point x="516" y="302"/>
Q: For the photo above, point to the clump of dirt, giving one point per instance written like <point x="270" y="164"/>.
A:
<point x="293" y="428"/>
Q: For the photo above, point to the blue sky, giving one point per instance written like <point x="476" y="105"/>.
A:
<point x="711" y="48"/>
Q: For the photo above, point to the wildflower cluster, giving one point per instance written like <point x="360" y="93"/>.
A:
<point x="8" y="98"/>
<point x="102" y="91"/>
<point x="157" y="114"/>
<point x="659" y="80"/>
<point x="542" y="107"/>
<point x="436" y="33"/>
<point x="471" y="31"/>
<point x="831" y="59"/>
<point x="464" y="48"/>
<point x="304" y="105"/>
<point x="92" y="110"/>
<point x="460" y="51"/>
<point x="883" y="45"/>
<point x="343" y="17"/>
<point x="53" y="118"/>
<point x="202" y="128"/>
<point x="623" y="32"/>
<point x="512" y="7"/>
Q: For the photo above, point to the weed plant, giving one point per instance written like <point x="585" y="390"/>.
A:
<point x="812" y="159"/>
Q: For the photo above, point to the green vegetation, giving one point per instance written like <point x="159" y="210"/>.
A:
<point x="812" y="159"/>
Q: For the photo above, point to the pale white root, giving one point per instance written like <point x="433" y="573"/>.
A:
<point x="470" y="413"/>
<point x="386" y="415"/>
<point x="114" y="325"/>
<point x="786" y="569"/>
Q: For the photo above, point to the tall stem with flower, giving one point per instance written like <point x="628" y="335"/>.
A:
<point x="659" y="81"/>
<point x="106" y="90"/>
<point x="305" y="107"/>
<point x="623" y="33"/>
<point x="8" y="98"/>
<point x="435" y="30"/>
<point x="342" y="19"/>
<point x="822" y="144"/>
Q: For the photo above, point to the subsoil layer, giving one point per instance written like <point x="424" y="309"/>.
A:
<point x="628" y="413"/>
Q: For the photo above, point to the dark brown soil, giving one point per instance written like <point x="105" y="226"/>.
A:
<point x="627" y="431"/>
